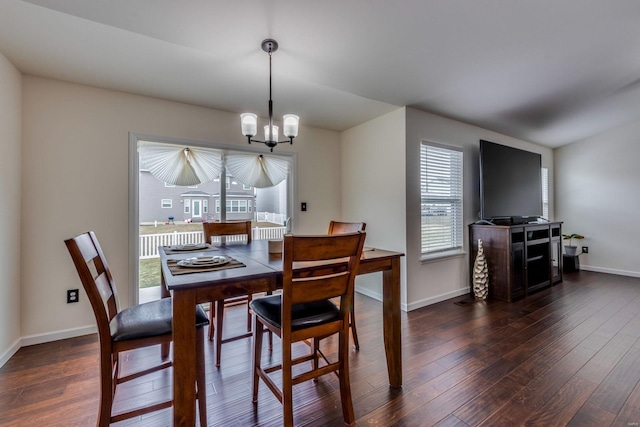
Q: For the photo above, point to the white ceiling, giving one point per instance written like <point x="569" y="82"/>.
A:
<point x="546" y="71"/>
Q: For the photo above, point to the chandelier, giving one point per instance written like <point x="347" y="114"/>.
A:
<point x="249" y="121"/>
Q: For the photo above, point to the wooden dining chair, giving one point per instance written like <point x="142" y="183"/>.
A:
<point x="304" y="311"/>
<point x="337" y="227"/>
<point x="128" y="329"/>
<point x="239" y="231"/>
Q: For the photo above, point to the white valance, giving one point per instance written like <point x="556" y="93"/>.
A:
<point x="179" y="164"/>
<point x="258" y="171"/>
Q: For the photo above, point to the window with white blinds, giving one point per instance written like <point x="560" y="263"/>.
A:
<point x="545" y="193"/>
<point x="441" y="197"/>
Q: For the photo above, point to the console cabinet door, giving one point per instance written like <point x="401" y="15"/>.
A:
<point x="556" y="261"/>
<point x="556" y="253"/>
<point x="518" y="273"/>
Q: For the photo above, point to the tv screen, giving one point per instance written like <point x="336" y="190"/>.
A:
<point x="510" y="182"/>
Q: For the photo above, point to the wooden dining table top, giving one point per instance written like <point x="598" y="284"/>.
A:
<point x="257" y="260"/>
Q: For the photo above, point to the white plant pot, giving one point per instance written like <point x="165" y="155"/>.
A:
<point x="570" y="250"/>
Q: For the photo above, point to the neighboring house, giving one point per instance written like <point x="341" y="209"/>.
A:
<point x="164" y="202"/>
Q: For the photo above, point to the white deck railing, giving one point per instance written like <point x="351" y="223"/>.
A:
<point x="149" y="242"/>
<point x="274" y="218"/>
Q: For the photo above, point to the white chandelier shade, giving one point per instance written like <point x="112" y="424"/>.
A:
<point x="180" y="165"/>
<point x="257" y="170"/>
<point x="249" y="124"/>
<point x="290" y="125"/>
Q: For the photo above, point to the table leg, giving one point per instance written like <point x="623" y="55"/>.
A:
<point x="184" y="358"/>
<point x="391" y="325"/>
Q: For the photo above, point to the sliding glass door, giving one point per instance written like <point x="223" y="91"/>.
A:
<point x="165" y="213"/>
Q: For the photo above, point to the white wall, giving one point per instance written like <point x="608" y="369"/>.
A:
<point x="434" y="281"/>
<point x="75" y="178"/>
<point x="373" y="188"/>
<point x="381" y="186"/>
<point x="10" y="185"/>
<point x="598" y="196"/>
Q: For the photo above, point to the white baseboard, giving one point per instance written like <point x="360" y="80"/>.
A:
<point x="42" y="338"/>
<point x="418" y="304"/>
<point x="58" y="335"/>
<point x="438" y="298"/>
<point x="610" y="271"/>
<point x="368" y="292"/>
<point x="10" y="352"/>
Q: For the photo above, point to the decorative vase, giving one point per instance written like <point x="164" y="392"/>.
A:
<point x="480" y="274"/>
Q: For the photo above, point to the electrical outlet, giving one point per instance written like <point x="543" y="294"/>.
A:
<point x="72" y="295"/>
<point x="585" y="249"/>
<point x="303" y="206"/>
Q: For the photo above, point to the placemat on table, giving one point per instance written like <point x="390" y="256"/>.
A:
<point x="177" y="270"/>
<point x="169" y="251"/>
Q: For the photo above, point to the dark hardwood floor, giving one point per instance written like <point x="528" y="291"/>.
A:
<point x="569" y="355"/>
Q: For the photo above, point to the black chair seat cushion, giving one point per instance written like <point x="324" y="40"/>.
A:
<point x="302" y="315"/>
<point x="148" y="320"/>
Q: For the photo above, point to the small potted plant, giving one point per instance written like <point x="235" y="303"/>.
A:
<point x="570" y="249"/>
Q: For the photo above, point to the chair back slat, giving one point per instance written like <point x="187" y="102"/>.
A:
<point x="319" y="248"/>
<point x="234" y="228"/>
<point x="104" y="288"/>
<point x="337" y="227"/>
<point x="315" y="289"/>
<point x="332" y="280"/>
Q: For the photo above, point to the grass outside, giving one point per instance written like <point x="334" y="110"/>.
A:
<point x="149" y="273"/>
<point x="149" y="269"/>
<point x="169" y="228"/>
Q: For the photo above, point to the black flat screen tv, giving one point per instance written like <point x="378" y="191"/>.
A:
<point x="510" y="183"/>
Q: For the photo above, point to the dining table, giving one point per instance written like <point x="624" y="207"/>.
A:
<point x="253" y="270"/>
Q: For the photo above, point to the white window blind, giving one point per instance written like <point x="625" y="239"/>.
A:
<point x="441" y="197"/>
<point x="545" y="193"/>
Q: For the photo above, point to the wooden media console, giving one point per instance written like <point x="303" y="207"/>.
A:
<point x="522" y="258"/>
